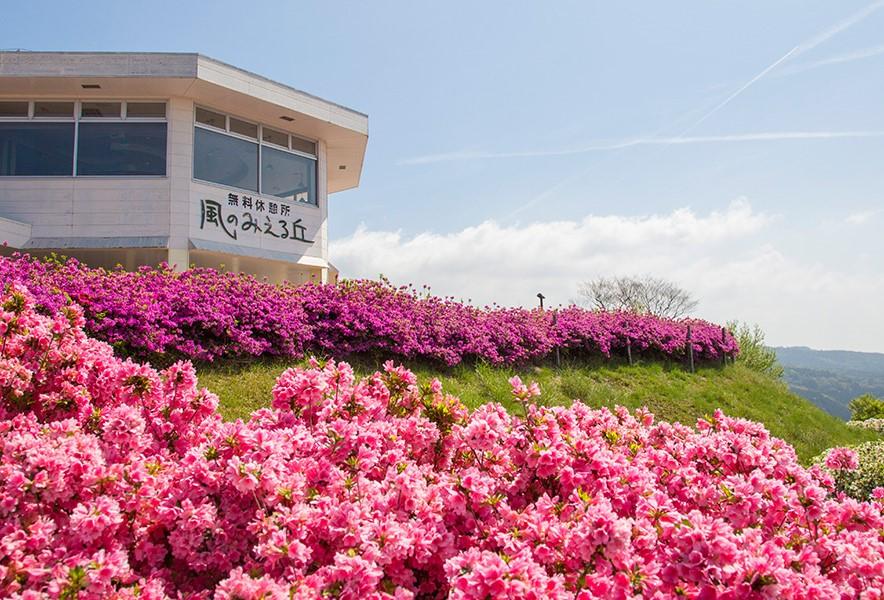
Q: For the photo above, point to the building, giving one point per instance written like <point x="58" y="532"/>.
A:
<point x="139" y="158"/>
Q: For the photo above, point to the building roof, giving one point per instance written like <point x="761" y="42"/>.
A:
<point x="207" y="81"/>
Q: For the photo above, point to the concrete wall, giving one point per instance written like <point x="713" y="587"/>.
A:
<point x="179" y="168"/>
<point x="87" y="207"/>
<point x="14" y="233"/>
<point x="273" y="271"/>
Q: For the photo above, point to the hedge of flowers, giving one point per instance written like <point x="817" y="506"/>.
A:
<point x="204" y="314"/>
<point x="870" y="424"/>
<point x="119" y="481"/>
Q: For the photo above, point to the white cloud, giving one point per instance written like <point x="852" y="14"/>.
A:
<point x="861" y="217"/>
<point x="720" y="256"/>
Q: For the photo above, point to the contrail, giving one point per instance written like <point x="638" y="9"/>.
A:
<point x="681" y="138"/>
<point x="766" y="136"/>
<point x="798" y="50"/>
<point x="835" y="60"/>
<point x="742" y="89"/>
<point x="834" y="30"/>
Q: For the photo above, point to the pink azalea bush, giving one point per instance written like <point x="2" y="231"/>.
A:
<point x="842" y="459"/>
<point x="120" y="481"/>
<point x="858" y="471"/>
<point x="204" y="314"/>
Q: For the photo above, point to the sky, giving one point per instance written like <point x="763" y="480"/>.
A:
<point x="523" y="147"/>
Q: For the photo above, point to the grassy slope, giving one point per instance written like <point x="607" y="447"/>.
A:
<point x="667" y="390"/>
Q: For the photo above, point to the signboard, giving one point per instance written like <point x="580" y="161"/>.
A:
<point x="238" y="218"/>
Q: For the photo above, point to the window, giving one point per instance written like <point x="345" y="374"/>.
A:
<point x="121" y="148"/>
<point x="54" y="109"/>
<point x="101" y="110"/>
<point x="243" y="128"/>
<point x="82" y="138"/>
<point x="225" y="159"/>
<point x="276" y="137"/>
<point x="145" y="110"/>
<point x="36" y="149"/>
<point x="288" y="175"/>
<point x="14" y="109"/>
<point x="208" y="117"/>
<point x="226" y="151"/>
<point x="305" y="146"/>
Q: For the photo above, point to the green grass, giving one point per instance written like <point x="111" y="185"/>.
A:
<point x="668" y="390"/>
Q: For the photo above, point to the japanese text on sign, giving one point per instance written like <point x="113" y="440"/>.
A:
<point x="212" y="214"/>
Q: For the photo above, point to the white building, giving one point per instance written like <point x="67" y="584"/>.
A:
<point x="138" y="158"/>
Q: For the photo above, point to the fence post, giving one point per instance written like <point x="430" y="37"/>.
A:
<point x="629" y="351"/>
<point x="723" y="353"/>
<point x="690" y="349"/>
<point x="555" y="323"/>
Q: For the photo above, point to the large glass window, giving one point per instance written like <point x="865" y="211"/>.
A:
<point x="224" y="152"/>
<point x="37" y="149"/>
<point x="288" y="175"/>
<point x="225" y="159"/>
<point x="82" y="137"/>
<point x="121" y="148"/>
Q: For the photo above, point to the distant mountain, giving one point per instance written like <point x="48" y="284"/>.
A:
<point x="832" y="378"/>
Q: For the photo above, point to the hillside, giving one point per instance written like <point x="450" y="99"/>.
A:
<point x="241" y="324"/>
<point x="668" y="390"/>
<point x="831" y="360"/>
<point x="832" y="378"/>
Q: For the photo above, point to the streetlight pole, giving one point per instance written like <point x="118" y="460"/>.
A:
<point x="541" y="297"/>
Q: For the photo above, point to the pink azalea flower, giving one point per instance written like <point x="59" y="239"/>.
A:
<point x="842" y="459"/>
<point x="119" y="481"/>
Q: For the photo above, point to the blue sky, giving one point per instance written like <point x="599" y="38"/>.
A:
<point x="521" y="147"/>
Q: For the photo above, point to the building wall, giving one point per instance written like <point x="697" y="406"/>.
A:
<point x="313" y="218"/>
<point x="15" y="233"/>
<point x="78" y="212"/>
<point x="180" y="171"/>
<point x="87" y="207"/>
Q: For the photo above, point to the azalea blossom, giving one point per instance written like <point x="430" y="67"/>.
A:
<point x="121" y="481"/>
<point x="206" y="314"/>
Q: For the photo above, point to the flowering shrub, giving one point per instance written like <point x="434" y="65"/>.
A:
<point x="866" y="472"/>
<point x="204" y="314"/>
<point x="119" y="481"/>
<point x="870" y="424"/>
<point x="841" y="459"/>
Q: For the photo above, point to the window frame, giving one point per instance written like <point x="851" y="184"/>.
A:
<point x="261" y="143"/>
<point x="77" y="117"/>
<point x="44" y="121"/>
<point x="29" y="111"/>
<point x="272" y="146"/>
<point x="244" y="138"/>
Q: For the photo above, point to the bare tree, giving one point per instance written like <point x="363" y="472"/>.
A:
<point x="646" y="295"/>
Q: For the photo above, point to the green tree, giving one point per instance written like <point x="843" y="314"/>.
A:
<point x="866" y="407"/>
<point x="753" y="351"/>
